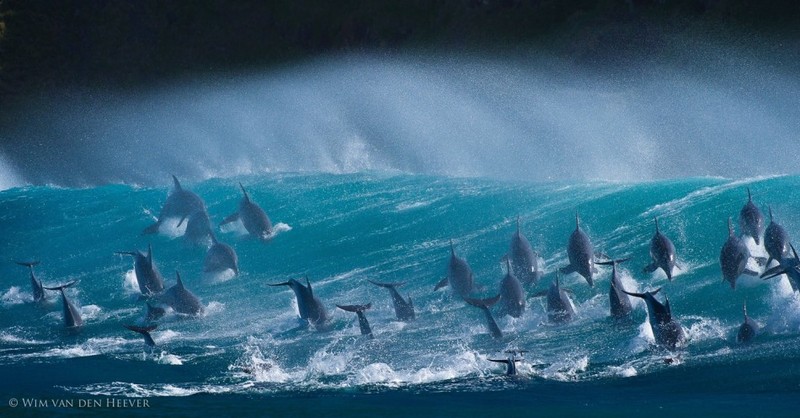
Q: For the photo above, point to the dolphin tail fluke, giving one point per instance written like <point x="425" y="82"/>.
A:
<point x="363" y="324"/>
<point x="145" y="331"/>
<point x="28" y="264"/>
<point x="504" y="361"/>
<point x="61" y="287"/>
<point x="442" y="283"/>
<point x="640" y="295"/>
<point x="387" y="285"/>
<point x="279" y="284"/>
<point x="750" y="272"/>
<point x="773" y="272"/>
<point x="152" y="229"/>
<point x="483" y="303"/>
<point x="354" y="308"/>
<point x="231" y="218"/>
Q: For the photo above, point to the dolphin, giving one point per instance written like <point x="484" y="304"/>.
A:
<point x="362" y="319"/>
<point x="72" y="316"/>
<point x="776" y="240"/>
<point x="662" y="251"/>
<point x="580" y="253"/>
<point x="147" y="275"/>
<point x="749" y="328"/>
<point x="404" y="310"/>
<point x="180" y="203"/>
<point x="733" y="258"/>
<point x="198" y="227"/>
<point x="310" y="307"/>
<point x="524" y="261"/>
<point x="510" y="362"/>
<point x="153" y="313"/>
<point x="667" y="332"/>
<point x="145" y="331"/>
<point x="459" y="275"/>
<point x="181" y="300"/>
<point x="36" y="284"/>
<point x="254" y="219"/>
<point x="751" y="221"/>
<point x="559" y="306"/>
<point x="511" y="294"/>
<point x="621" y="306"/>
<point x="484" y="305"/>
<point x="220" y="257"/>
<point x="788" y="266"/>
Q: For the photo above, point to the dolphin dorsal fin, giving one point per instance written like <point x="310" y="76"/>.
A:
<point x="213" y="237"/>
<point x="518" y="225"/>
<point x="577" y="221"/>
<point x="657" y="230"/>
<point x="246" y="196"/>
<point x="667" y="307"/>
<point x="150" y="255"/>
<point x="308" y="284"/>
<point x="508" y="265"/>
<point x="180" y="282"/>
<point x="730" y="227"/>
<point x="452" y="249"/>
<point x="176" y="183"/>
<point x="749" y="196"/>
<point x="770" y="213"/>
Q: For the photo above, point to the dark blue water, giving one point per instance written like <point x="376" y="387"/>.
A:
<point x="246" y="352"/>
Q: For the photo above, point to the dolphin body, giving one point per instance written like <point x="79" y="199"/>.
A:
<point x="181" y="300"/>
<point x="524" y="261"/>
<point x="362" y="319"/>
<point x="662" y="251"/>
<point x="404" y="310"/>
<point x="198" y="227"/>
<point x="459" y="275"/>
<point x="310" y="307"/>
<point x="220" y="257"/>
<point x="788" y="266"/>
<point x="751" y="221"/>
<point x="147" y="275"/>
<point x="776" y="240"/>
<point x="254" y="219"/>
<point x="621" y="306"/>
<point x="733" y="258"/>
<point x="580" y="253"/>
<point x="145" y="331"/>
<point x="180" y="204"/>
<point x="36" y="284"/>
<point x="484" y="305"/>
<point x="749" y="328"/>
<point x="512" y="295"/>
<point x="72" y="316"/>
<point x="667" y="332"/>
<point x="560" y="308"/>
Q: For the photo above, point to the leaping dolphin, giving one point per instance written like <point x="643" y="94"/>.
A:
<point x="662" y="251"/>
<point x="198" y="227"/>
<point x="484" y="305"/>
<point x="621" y="306"/>
<point x="459" y="275"/>
<point x="254" y="219"/>
<point x="145" y="331"/>
<point x="667" y="332"/>
<point x="310" y="307"/>
<point x="180" y="203"/>
<point x="776" y="240"/>
<point x="580" y="253"/>
<point x="362" y="319"/>
<point x="220" y="257"/>
<point x="404" y="310"/>
<point x="560" y="308"/>
<point x="181" y="300"/>
<point x="749" y="328"/>
<point x="751" y="221"/>
<point x="147" y="275"/>
<point x="72" y="316"/>
<point x="524" y="261"/>
<point x="36" y="284"/>
<point x="788" y="266"/>
<point x="733" y="257"/>
<point x="511" y="294"/>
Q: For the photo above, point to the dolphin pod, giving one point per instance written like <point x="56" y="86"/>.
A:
<point x="662" y="251"/>
<point x="311" y="308"/>
<point x="254" y="219"/>
<point x="580" y="253"/>
<point x="404" y="310"/>
<point x="72" y="316"/>
<point x="147" y="275"/>
<point x="36" y="284"/>
<point x="363" y="324"/>
<point x="667" y="332"/>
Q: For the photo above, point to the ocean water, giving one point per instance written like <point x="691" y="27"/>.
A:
<point x="247" y="352"/>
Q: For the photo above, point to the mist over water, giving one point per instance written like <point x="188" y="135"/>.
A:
<point x="696" y="109"/>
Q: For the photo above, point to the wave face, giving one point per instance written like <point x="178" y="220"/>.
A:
<point x="342" y="230"/>
<point x="696" y="109"/>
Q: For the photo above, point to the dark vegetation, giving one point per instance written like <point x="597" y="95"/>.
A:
<point x="122" y="43"/>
